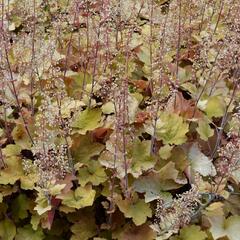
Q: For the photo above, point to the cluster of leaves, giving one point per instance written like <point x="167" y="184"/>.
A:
<point x="109" y="106"/>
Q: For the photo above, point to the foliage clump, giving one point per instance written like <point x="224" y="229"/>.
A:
<point x="119" y="119"/>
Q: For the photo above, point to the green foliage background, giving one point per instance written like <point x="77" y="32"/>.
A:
<point x="140" y="115"/>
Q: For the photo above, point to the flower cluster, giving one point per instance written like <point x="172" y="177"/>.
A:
<point x="229" y="157"/>
<point x="50" y="146"/>
<point x="170" y="217"/>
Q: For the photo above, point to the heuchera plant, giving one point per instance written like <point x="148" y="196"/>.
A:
<point x="119" y="119"/>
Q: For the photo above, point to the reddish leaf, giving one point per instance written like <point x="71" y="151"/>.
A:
<point x="101" y="134"/>
<point x="47" y="223"/>
<point x="140" y="84"/>
<point x="141" y="117"/>
<point x="55" y="202"/>
<point x="68" y="181"/>
<point x="185" y="108"/>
